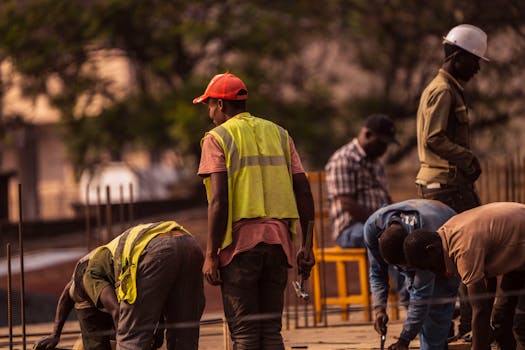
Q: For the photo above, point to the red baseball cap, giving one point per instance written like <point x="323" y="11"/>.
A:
<point x="225" y="86"/>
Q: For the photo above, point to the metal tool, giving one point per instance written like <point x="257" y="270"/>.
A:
<point x="300" y="291"/>
<point x="299" y="285"/>
<point x="383" y="339"/>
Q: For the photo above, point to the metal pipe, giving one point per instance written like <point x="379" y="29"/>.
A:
<point x="88" y="220"/>
<point x="486" y="181"/>
<point x="497" y="170"/>
<point x="109" y="218"/>
<point x="130" y="206"/>
<point x="22" y="279"/>
<point x="121" y="208"/>
<point x="9" y="297"/>
<point x="322" y="245"/>
<point x="98" y="216"/>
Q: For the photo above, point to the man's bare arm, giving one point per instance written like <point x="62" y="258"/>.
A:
<point x="217" y="221"/>
<point x="358" y="212"/>
<point x="481" y="302"/>
<point x="64" y="307"/>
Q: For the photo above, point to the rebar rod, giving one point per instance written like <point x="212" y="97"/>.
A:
<point x="22" y="279"/>
<point x="9" y="297"/>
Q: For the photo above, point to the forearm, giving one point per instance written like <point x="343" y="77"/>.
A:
<point x="305" y="202"/>
<point x="358" y="212"/>
<point x="218" y="219"/>
<point x="416" y="315"/>
<point x="109" y="301"/>
<point x="452" y="152"/>
<point x="421" y="292"/>
<point x="217" y="213"/>
<point x="64" y="307"/>
<point x="378" y="284"/>
<point x="481" y="312"/>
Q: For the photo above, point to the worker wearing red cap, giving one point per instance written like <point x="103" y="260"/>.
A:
<point x="257" y="190"/>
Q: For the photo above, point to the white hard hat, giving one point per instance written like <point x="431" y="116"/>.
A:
<point x="469" y="38"/>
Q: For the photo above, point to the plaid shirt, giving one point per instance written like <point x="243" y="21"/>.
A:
<point x="350" y="173"/>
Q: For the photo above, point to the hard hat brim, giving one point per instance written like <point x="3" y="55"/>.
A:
<point x="446" y="41"/>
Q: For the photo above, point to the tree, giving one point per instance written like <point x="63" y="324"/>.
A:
<point x="174" y="47"/>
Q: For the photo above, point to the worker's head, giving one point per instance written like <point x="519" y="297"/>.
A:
<point x="391" y="244"/>
<point x="464" y="46"/>
<point x="225" y="97"/>
<point x="423" y="250"/>
<point x="376" y="134"/>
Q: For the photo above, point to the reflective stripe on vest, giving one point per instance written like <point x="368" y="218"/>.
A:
<point x="126" y="250"/>
<point x="257" y="156"/>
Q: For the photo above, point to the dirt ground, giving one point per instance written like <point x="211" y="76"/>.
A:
<point x="43" y="286"/>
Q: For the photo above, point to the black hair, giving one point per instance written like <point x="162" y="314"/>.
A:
<point x="232" y="104"/>
<point x="391" y="244"/>
<point x="236" y="104"/>
<point x="415" y="246"/>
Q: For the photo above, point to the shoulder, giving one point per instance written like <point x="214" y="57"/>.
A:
<point x="346" y="154"/>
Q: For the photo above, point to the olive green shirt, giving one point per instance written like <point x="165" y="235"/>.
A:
<point x="99" y="274"/>
<point x="443" y="139"/>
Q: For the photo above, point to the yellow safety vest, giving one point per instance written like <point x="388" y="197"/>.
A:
<point x="126" y="250"/>
<point x="257" y="155"/>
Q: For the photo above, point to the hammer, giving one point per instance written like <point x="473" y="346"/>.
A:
<point x="299" y="285"/>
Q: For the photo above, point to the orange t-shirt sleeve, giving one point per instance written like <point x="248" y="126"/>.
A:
<point x="295" y="160"/>
<point x="212" y="157"/>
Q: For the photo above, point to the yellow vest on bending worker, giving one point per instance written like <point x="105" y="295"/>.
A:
<point x="126" y="250"/>
<point x="257" y="156"/>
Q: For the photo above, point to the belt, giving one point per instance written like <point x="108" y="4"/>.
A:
<point x="172" y="233"/>
<point x="437" y="186"/>
<point x="433" y="185"/>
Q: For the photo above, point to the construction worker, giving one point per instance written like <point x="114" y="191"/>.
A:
<point x="449" y="168"/>
<point x="385" y="232"/>
<point x="156" y="269"/>
<point x="479" y="244"/>
<point x="257" y="189"/>
<point x="96" y="325"/>
<point x="356" y="180"/>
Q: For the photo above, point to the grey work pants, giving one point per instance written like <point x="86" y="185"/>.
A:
<point x="253" y="297"/>
<point x="96" y="327"/>
<point x="459" y="198"/>
<point x="169" y="287"/>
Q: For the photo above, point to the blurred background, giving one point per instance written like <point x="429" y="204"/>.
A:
<point x="94" y="90"/>
<point x="97" y="94"/>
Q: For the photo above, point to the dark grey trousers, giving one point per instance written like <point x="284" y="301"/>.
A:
<point x="170" y="288"/>
<point x="96" y="327"/>
<point x="253" y="297"/>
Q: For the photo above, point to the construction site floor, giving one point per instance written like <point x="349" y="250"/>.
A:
<point x="338" y="335"/>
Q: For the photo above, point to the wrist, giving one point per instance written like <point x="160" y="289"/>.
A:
<point x="212" y="255"/>
<point x="404" y="338"/>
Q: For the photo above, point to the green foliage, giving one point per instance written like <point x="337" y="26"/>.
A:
<point x="174" y="47"/>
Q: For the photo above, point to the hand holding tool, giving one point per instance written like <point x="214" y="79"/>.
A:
<point x="299" y="285"/>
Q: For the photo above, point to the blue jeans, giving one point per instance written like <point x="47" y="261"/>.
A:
<point x="352" y="236"/>
<point x="433" y="334"/>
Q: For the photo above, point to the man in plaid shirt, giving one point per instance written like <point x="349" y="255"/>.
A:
<point x="356" y="180"/>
